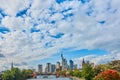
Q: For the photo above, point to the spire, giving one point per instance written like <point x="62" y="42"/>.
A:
<point x="12" y="65"/>
<point x="62" y="56"/>
<point x="83" y="63"/>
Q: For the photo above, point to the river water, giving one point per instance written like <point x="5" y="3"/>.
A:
<point x="51" y="77"/>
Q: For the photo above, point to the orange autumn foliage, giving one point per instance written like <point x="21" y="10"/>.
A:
<point x="108" y="75"/>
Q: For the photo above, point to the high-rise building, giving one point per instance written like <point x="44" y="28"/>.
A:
<point x="53" y="68"/>
<point x="48" y="67"/>
<point x="71" y="65"/>
<point x="40" y="68"/>
<point x="58" y="66"/>
<point x="64" y="63"/>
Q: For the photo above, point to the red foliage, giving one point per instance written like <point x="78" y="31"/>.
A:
<point x="108" y="75"/>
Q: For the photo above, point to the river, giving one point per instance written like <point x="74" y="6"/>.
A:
<point x="50" y="77"/>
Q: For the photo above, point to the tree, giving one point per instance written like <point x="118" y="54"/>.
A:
<point x="77" y="73"/>
<point x="13" y="74"/>
<point x="70" y="73"/>
<point x="26" y="73"/>
<point x="115" y="65"/>
<point x="16" y="73"/>
<point x="63" y="72"/>
<point x="108" y="75"/>
<point x="7" y="75"/>
<point x="88" y="72"/>
<point x="97" y="70"/>
<point x="104" y="67"/>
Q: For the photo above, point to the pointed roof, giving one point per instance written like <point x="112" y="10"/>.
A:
<point x="12" y="65"/>
<point x="83" y="61"/>
<point x="62" y="56"/>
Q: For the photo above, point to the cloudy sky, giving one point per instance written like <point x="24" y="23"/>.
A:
<point x="37" y="31"/>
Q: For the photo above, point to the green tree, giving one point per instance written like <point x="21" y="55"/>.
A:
<point x="13" y="74"/>
<point x="26" y="73"/>
<point x="77" y="73"/>
<point x="7" y="75"/>
<point x="88" y="72"/>
<point x="104" y="67"/>
<point x="70" y="73"/>
<point x="16" y="73"/>
<point x="97" y="70"/>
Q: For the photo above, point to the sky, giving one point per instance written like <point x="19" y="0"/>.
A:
<point x="35" y="32"/>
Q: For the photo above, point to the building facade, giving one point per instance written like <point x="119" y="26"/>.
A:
<point x="40" y="68"/>
<point x="53" y="68"/>
<point x="48" y="68"/>
<point x="71" y="65"/>
<point x="64" y="63"/>
<point x="58" y="65"/>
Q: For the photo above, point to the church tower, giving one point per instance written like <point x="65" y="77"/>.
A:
<point x="83" y="63"/>
<point x="11" y="65"/>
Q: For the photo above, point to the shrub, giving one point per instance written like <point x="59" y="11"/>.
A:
<point x="88" y="72"/>
<point x="77" y="73"/>
<point x="108" y="75"/>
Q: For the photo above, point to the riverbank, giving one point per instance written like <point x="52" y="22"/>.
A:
<point x="76" y="78"/>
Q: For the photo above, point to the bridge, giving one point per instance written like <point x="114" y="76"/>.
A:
<point x="34" y="75"/>
<point x="48" y="74"/>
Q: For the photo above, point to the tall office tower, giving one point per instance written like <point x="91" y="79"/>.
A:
<point x="58" y="65"/>
<point x="71" y="65"/>
<point x="48" y="67"/>
<point x="40" y="68"/>
<point x="64" y="63"/>
<point x="46" y="70"/>
<point x="53" y="68"/>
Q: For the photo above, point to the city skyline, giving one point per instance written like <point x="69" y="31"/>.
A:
<point x="63" y="65"/>
<point x="35" y="32"/>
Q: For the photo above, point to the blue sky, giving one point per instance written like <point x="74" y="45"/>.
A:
<point x="72" y="54"/>
<point x="35" y="31"/>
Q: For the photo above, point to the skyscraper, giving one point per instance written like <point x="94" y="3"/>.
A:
<point x="40" y="68"/>
<point x="64" y="63"/>
<point x="71" y="65"/>
<point x="52" y="68"/>
<point x="58" y="65"/>
<point x="48" y="67"/>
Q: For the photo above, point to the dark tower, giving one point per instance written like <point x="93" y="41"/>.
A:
<point x="11" y="65"/>
<point x="71" y="65"/>
<point x="62" y="56"/>
<point x="83" y="63"/>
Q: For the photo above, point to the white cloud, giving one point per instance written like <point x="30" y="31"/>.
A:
<point x="12" y="7"/>
<point x="13" y="23"/>
<point x="80" y="30"/>
<point x="97" y="59"/>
